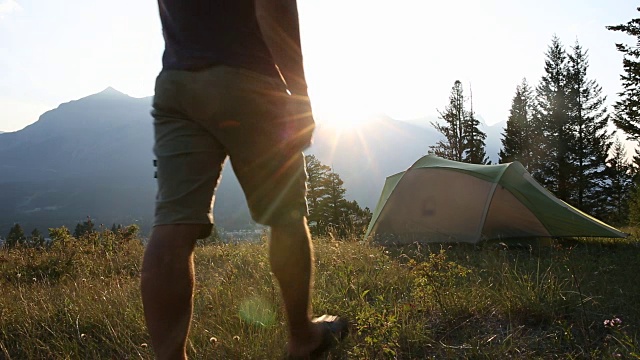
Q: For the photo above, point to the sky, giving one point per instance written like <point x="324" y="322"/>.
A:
<point x="362" y="57"/>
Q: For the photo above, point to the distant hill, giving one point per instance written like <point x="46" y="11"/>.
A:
<point x="93" y="157"/>
<point x="87" y="157"/>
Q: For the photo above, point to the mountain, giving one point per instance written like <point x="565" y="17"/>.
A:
<point x="87" y="157"/>
<point x="86" y="137"/>
<point x="93" y="157"/>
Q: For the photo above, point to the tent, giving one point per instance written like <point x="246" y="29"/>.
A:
<point x="438" y="200"/>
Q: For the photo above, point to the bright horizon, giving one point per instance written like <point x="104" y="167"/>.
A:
<point x="362" y="58"/>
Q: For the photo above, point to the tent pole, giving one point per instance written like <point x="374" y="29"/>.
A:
<point x="485" y="211"/>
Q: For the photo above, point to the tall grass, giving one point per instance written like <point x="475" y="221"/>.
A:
<point x="79" y="298"/>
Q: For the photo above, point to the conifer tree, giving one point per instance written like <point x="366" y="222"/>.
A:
<point x="474" y="139"/>
<point x="589" y="141"/>
<point x="620" y="175"/>
<point x="553" y="169"/>
<point x="15" y="237"/>
<point x="358" y="218"/>
<point x="328" y="208"/>
<point x="83" y="228"/>
<point x="452" y="147"/>
<point x="316" y="174"/>
<point x="36" y="239"/>
<point x="463" y="139"/>
<point x="518" y="139"/>
<point x="627" y="108"/>
<point x="634" y="206"/>
<point x="332" y="208"/>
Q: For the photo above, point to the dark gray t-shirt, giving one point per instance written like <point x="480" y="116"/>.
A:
<point x="202" y="33"/>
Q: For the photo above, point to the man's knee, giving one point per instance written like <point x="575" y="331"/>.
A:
<point x="184" y="235"/>
<point x="290" y="229"/>
<point x="173" y="242"/>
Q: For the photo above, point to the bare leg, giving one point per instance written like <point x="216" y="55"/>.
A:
<point x="291" y="258"/>
<point x="167" y="287"/>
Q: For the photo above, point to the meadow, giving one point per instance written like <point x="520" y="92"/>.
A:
<point x="578" y="299"/>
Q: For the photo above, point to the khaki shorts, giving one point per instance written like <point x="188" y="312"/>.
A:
<point x="202" y="117"/>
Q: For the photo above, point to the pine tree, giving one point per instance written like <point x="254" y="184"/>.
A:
<point x="518" y="137"/>
<point x="634" y="205"/>
<point x="589" y="141"/>
<point x="328" y="208"/>
<point x="316" y="175"/>
<point x="463" y="139"/>
<point x="453" y="146"/>
<point x="474" y="139"/>
<point x="620" y="176"/>
<point x="78" y="231"/>
<point x="15" y="237"/>
<point x="358" y="218"/>
<point x="332" y="208"/>
<point x="553" y="168"/>
<point x="86" y="227"/>
<point x="627" y="108"/>
<point x="36" y="239"/>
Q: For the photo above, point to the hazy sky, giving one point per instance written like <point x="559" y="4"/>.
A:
<point x="362" y="57"/>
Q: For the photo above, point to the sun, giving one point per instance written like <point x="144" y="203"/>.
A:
<point x="343" y="115"/>
<point x="344" y="120"/>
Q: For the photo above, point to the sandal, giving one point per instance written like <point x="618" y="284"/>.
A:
<point x="334" y="329"/>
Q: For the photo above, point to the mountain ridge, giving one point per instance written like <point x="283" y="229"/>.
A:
<point x="93" y="157"/>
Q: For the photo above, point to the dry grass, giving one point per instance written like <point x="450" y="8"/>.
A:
<point x="80" y="299"/>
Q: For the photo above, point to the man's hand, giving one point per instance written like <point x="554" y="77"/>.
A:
<point x="278" y="21"/>
<point x="300" y="123"/>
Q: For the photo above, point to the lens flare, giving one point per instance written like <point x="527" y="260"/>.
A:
<point x="258" y="311"/>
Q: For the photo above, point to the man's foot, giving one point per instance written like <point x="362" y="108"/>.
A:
<point x="331" y="330"/>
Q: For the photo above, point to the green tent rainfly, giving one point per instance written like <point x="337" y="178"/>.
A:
<point x="438" y="200"/>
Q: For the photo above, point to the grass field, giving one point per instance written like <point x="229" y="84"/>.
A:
<point x="79" y="299"/>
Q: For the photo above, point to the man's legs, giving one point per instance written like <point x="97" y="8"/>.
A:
<point x="167" y="287"/>
<point x="291" y="257"/>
